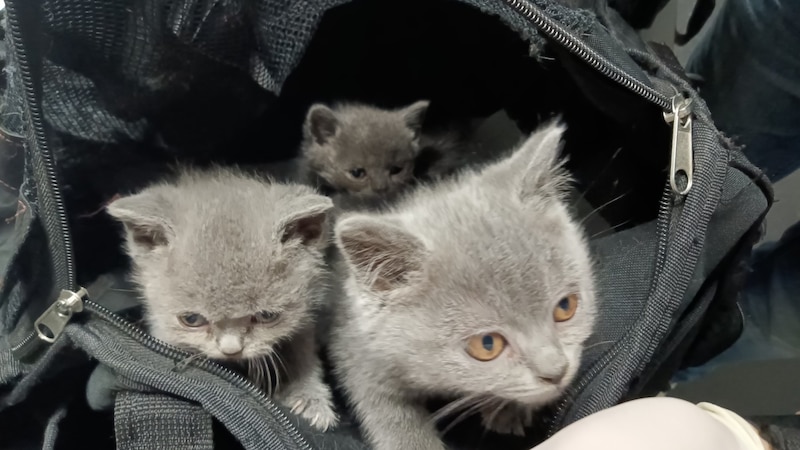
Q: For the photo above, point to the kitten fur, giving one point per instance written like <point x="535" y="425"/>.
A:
<point x="228" y="246"/>
<point x="448" y="150"/>
<point x="381" y="144"/>
<point x="493" y="250"/>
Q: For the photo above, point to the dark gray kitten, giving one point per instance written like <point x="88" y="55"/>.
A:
<point x="478" y="288"/>
<point x="363" y="150"/>
<point x="232" y="266"/>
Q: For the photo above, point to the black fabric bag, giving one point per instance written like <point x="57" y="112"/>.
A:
<point x="101" y="96"/>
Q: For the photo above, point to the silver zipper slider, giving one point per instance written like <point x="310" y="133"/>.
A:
<point x="52" y="322"/>
<point x="682" y="160"/>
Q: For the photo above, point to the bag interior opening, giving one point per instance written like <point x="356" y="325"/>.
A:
<point x="469" y="64"/>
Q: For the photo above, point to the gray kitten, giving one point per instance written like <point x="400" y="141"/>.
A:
<point x="365" y="151"/>
<point x="478" y="288"/>
<point x="232" y="266"/>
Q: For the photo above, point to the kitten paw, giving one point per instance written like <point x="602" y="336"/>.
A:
<point x="510" y="419"/>
<point x="317" y="409"/>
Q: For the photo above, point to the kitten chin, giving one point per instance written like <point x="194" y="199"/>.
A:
<point x="480" y="287"/>
<point x="230" y="265"/>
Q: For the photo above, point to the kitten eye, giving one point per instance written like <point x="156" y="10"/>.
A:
<point x="193" y="320"/>
<point x="357" y="173"/>
<point x="394" y="170"/>
<point x="266" y="317"/>
<point x="566" y="308"/>
<point x="486" y="347"/>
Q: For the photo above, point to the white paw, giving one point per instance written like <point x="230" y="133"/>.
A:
<point x="511" y="419"/>
<point x="318" y="410"/>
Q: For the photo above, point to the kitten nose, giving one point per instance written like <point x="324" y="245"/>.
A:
<point x="229" y="345"/>
<point x="553" y="374"/>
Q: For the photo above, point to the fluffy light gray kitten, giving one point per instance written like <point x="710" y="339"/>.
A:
<point x="479" y="288"/>
<point x="232" y="266"/>
<point x="363" y="150"/>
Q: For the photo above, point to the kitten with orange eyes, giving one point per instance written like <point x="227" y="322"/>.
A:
<point x="232" y="267"/>
<point x="486" y="275"/>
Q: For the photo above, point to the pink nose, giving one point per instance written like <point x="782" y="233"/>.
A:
<point x="230" y="345"/>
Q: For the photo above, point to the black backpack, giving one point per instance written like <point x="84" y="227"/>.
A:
<point x="100" y="97"/>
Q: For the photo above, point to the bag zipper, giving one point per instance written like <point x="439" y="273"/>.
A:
<point x="677" y="112"/>
<point x="51" y="324"/>
<point x="58" y="316"/>
<point x="681" y="157"/>
<point x="51" y="209"/>
<point x="662" y="233"/>
<point x="558" y="33"/>
<point x="682" y="152"/>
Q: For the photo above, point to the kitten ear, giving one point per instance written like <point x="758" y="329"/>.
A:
<point x="146" y="218"/>
<point x="307" y="223"/>
<point x="414" y="115"/>
<point x="383" y="255"/>
<point x="536" y="168"/>
<point x="321" y="123"/>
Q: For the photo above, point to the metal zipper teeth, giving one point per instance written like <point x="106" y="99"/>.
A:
<point x="205" y="364"/>
<point x="25" y="342"/>
<point x="599" y="62"/>
<point x="64" y="269"/>
<point x="662" y="231"/>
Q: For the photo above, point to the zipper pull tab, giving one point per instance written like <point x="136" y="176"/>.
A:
<point x="682" y="160"/>
<point x="50" y="324"/>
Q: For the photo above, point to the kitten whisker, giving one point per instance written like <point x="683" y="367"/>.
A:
<point x="599" y="233"/>
<point x="598" y="175"/>
<point x="501" y="404"/>
<point x="268" y="373"/>
<point x="282" y="364"/>
<point x="479" y="404"/>
<point x="463" y="403"/>
<point x="452" y="406"/>
<point x="604" y="205"/>
<point x="253" y="373"/>
<point x="277" y="372"/>
<point x="597" y="344"/>
<point x="184" y="363"/>
<point x="518" y="390"/>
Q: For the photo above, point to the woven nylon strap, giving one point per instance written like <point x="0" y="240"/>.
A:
<point x="155" y="421"/>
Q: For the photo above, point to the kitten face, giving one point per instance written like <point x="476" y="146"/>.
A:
<point x="362" y="150"/>
<point x="228" y="265"/>
<point x="480" y="287"/>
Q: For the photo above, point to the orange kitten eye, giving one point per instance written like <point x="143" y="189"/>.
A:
<point x="192" y="320"/>
<point x="486" y="347"/>
<point x="566" y="308"/>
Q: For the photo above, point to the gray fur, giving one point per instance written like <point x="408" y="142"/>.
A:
<point x="347" y="137"/>
<point x="227" y="246"/>
<point x="489" y="251"/>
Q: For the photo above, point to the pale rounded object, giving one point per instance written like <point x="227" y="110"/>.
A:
<point x="660" y="423"/>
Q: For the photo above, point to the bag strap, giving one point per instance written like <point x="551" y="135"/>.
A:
<point x="144" y="421"/>
<point x="51" y="430"/>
